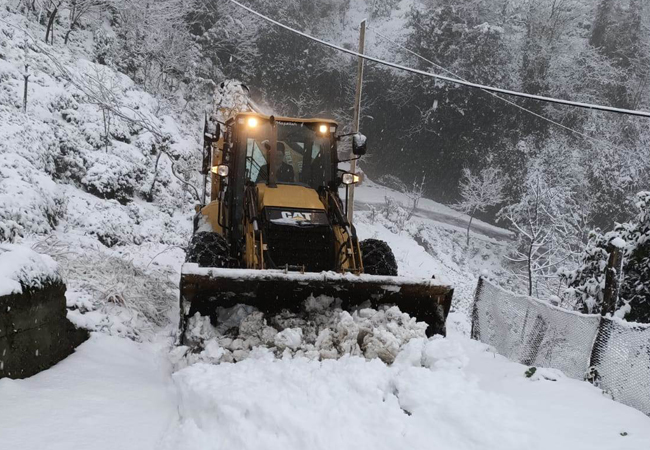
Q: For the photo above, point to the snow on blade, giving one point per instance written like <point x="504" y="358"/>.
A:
<point x="320" y="332"/>
<point x="246" y="274"/>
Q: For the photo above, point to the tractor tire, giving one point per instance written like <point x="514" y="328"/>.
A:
<point x="378" y="258"/>
<point x="208" y="249"/>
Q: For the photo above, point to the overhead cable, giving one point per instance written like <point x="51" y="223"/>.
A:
<point x="445" y="78"/>
<point x="558" y="124"/>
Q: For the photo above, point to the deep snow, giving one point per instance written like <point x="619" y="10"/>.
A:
<point x="110" y="394"/>
<point x="445" y="393"/>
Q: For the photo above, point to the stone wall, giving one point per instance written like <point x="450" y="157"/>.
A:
<point x="34" y="331"/>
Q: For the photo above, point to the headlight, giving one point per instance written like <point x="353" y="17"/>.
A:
<point x="323" y="129"/>
<point x="350" y="178"/>
<point x="252" y="122"/>
<point x="221" y="170"/>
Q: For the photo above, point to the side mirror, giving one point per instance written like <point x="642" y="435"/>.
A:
<point x="359" y="144"/>
<point x="211" y="134"/>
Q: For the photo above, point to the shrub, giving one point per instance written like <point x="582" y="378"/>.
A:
<point x="113" y="178"/>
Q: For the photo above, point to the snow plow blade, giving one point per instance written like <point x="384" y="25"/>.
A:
<point x="205" y="289"/>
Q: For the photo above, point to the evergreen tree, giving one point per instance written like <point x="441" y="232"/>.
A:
<point x="636" y="270"/>
<point x="587" y="283"/>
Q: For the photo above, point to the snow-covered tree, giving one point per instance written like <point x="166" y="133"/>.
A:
<point x="413" y="192"/>
<point x="152" y="43"/>
<point x="480" y="191"/>
<point x="52" y="7"/>
<point x="586" y="284"/>
<point x="543" y="221"/>
<point x="77" y="10"/>
<point x="635" y="289"/>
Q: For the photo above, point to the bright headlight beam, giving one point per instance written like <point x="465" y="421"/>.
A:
<point x="350" y="178"/>
<point x="221" y="170"/>
<point x="323" y="129"/>
<point x="252" y="122"/>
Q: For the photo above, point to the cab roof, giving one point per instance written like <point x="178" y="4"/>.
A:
<point x="287" y="119"/>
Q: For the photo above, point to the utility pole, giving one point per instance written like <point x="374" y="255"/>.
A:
<point x="357" y="110"/>
<point x="26" y="78"/>
<point x="26" y="75"/>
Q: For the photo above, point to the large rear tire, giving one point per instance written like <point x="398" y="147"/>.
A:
<point x="208" y="249"/>
<point x="378" y="258"/>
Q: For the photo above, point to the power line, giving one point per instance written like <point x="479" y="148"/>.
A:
<point x="445" y="78"/>
<point x="579" y="133"/>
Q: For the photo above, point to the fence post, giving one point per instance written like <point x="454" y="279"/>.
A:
<point x="612" y="278"/>
<point x="602" y="336"/>
<point x="476" y="330"/>
<point x="610" y="297"/>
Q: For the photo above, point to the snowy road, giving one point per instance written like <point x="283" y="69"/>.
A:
<point x="370" y="194"/>
<point x="110" y="394"/>
<point x="447" y="394"/>
<point x="455" y="219"/>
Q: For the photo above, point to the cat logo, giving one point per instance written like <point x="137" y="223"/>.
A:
<point x="298" y="216"/>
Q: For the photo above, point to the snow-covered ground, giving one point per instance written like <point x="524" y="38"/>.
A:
<point x="128" y="387"/>
<point x="110" y="394"/>
<point x="445" y="393"/>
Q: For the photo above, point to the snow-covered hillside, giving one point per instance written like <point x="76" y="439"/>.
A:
<point x="87" y="198"/>
<point x="86" y="176"/>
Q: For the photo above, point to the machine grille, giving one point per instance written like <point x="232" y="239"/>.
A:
<point x="310" y="247"/>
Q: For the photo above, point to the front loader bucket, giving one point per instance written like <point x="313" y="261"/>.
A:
<point x="203" y="290"/>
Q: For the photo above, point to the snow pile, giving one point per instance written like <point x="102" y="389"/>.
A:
<point x="22" y="268"/>
<point x="544" y="373"/>
<point x="434" y="353"/>
<point x="322" y="331"/>
<point x="424" y="400"/>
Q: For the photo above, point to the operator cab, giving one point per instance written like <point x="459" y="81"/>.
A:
<point x="279" y="172"/>
<point x="304" y="150"/>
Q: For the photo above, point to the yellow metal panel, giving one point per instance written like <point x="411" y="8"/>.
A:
<point x="211" y="214"/>
<point x="288" y="196"/>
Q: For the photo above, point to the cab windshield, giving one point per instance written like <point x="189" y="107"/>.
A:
<point x="303" y="151"/>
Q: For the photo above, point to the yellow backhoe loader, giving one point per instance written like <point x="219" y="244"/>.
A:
<point x="275" y="230"/>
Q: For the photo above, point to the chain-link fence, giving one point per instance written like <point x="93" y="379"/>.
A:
<point x="611" y="353"/>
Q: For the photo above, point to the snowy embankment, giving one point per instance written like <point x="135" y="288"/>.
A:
<point x="83" y="183"/>
<point x="21" y="268"/>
